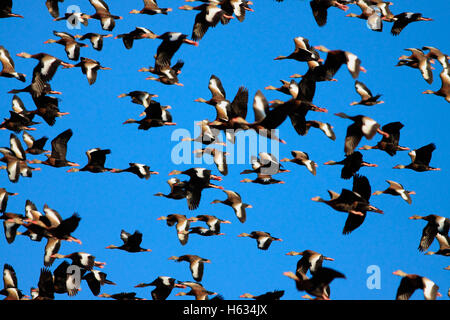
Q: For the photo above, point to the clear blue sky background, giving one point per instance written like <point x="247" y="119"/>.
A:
<point x="241" y="54"/>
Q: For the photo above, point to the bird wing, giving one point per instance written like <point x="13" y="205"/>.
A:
<point x="59" y="145"/>
<point x="423" y="154"/>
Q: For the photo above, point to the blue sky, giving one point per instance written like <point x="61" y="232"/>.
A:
<point x="240" y="54"/>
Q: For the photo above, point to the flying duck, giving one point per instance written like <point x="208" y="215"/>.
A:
<point x="403" y="19"/>
<point x="263" y="239"/>
<point x="367" y="98"/>
<point x="71" y="46"/>
<point x="151" y="8"/>
<point x="8" y="70"/>
<point x="436" y="225"/>
<point x="396" y="189"/>
<point x="131" y="242"/>
<point x="362" y="126"/>
<point x="195" y="264"/>
<point x="96" y="39"/>
<point x="302" y="158"/>
<point x="163" y="287"/>
<point x="389" y="144"/>
<point x="411" y="282"/>
<point x="420" y="159"/>
<point x="102" y="13"/>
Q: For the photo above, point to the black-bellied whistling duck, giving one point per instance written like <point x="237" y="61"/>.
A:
<point x="89" y="67"/>
<point x="336" y="58"/>
<point x="34" y="147"/>
<point x="420" y="159"/>
<point x="167" y="74"/>
<point x="102" y="13"/>
<point x="234" y="200"/>
<point x="71" y="46"/>
<point x="374" y="21"/>
<point x="95" y="279"/>
<point x="444" y="90"/>
<point x="11" y="223"/>
<point x="96" y="161"/>
<point x="212" y="221"/>
<point x="17" y="122"/>
<point x="444" y="246"/>
<point x="8" y="70"/>
<point x="53" y="7"/>
<point x="348" y="201"/>
<point x="9" y="276"/>
<point x="96" y="39"/>
<point x="362" y="126"/>
<point x="46" y="288"/>
<point x="74" y="19"/>
<point x="310" y="260"/>
<point x="396" y="189"/>
<point x="351" y="164"/>
<point x="182" y="224"/>
<point x="266" y="163"/>
<point x="236" y="7"/>
<point x="47" y="108"/>
<point x="263" y="239"/>
<point x="268" y="296"/>
<point x="403" y="19"/>
<point x="151" y="8"/>
<point x="436" y="224"/>
<point x="177" y="190"/>
<point x="121" y="296"/>
<point x="195" y="264"/>
<point x="131" y="242"/>
<point x="367" y="98"/>
<point x="171" y="42"/>
<point x="298" y="109"/>
<point x="320" y="9"/>
<point x="207" y="135"/>
<point x="155" y="116"/>
<point x="15" y="158"/>
<point x="197" y="290"/>
<point x="53" y="225"/>
<point x="141" y="170"/>
<point x="263" y="179"/>
<point x="10" y="289"/>
<point x="199" y="180"/>
<point x="302" y="158"/>
<point x="303" y="51"/>
<point x="139" y="97"/>
<point x="362" y="188"/>
<point x="81" y="259"/>
<point x="325" y="127"/>
<point x="163" y="287"/>
<point x="19" y="107"/>
<point x="318" y="284"/>
<point x="219" y="157"/>
<point x="435" y="53"/>
<point x="47" y="65"/>
<point x="209" y="16"/>
<point x="136" y="34"/>
<point x="5" y="10"/>
<point x="57" y="158"/>
<point x="4" y="195"/>
<point x="390" y="144"/>
<point x="283" y="89"/>
<point x="411" y="282"/>
<point x="51" y="247"/>
<point x="385" y="11"/>
<point x="423" y="63"/>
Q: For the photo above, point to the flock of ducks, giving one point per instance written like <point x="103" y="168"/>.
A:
<point x="310" y="276"/>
